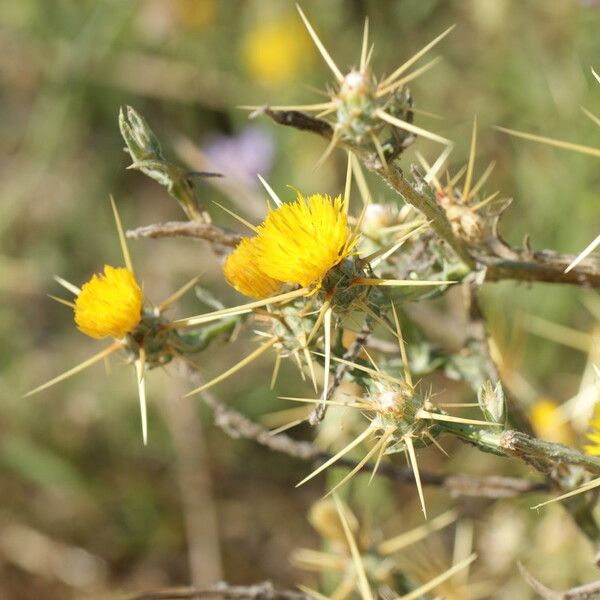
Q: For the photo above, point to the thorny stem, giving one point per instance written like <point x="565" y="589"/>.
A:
<point x="515" y="443"/>
<point x="520" y="444"/>
<point x="508" y="263"/>
<point x="238" y="426"/>
<point x="422" y="198"/>
<point x="550" y="459"/>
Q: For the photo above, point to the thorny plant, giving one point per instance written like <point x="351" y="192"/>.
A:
<point x="318" y="268"/>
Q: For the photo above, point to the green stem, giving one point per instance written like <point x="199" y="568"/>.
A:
<point x="514" y="443"/>
<point x="423" y="199"/>
<point x="196" y="341"/>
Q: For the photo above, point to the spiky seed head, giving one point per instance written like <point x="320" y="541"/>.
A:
<point x="356" y="104"/>
<point x="109" y="304"/>
<point x="390" y="402"/>
<point x="396" y="406"/>
<point x="466" y="223"/>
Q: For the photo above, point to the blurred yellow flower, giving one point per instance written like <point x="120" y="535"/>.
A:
<point x="594" y="437"/>
<point x="275" y="52"/>
<point x="297" y="243"/>
<point x="548" y="424"/>
<point x="110" y="304"/>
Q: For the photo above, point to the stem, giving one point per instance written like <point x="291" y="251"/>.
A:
<point x="196" y="341"/>
<point x="191" y="229"/>
<point x="520" y="444"/>
<point x="258" y="591"/>
<point x="545" y="266"/>
<point x="423" y="199"/>
<point x="514" y="443"/>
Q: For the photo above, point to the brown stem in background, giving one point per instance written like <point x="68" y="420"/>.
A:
<point x="546" y="266"/>
<point x="258" y="591"/>
<point x="193" y="473"/>
<point x="194" y="229"/>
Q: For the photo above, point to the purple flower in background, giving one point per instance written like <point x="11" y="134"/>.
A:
<point x="243" y="155"/>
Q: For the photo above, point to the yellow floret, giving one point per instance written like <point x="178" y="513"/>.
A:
<point x="109" y="304"/>
<point x="243" y="273"/>
<point x="594" y="437"/>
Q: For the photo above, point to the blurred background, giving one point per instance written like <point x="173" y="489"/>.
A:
<point x="85" y="509"/>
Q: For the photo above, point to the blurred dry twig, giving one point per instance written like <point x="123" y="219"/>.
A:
<point x="258" y="591"/>
<point x="194" y="229"/>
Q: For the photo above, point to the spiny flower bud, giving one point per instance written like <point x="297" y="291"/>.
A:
<point x="377" y="217"/>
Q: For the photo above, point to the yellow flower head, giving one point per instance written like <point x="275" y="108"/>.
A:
<point x="297" y="243"/>
<point x="109" y="304"/>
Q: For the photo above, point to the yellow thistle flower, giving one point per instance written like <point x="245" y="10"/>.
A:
<point x="594" y="437"/>
<point x="110" y="304"/>
<point x="547" y="423"/>
<point x="297" y="243"/>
